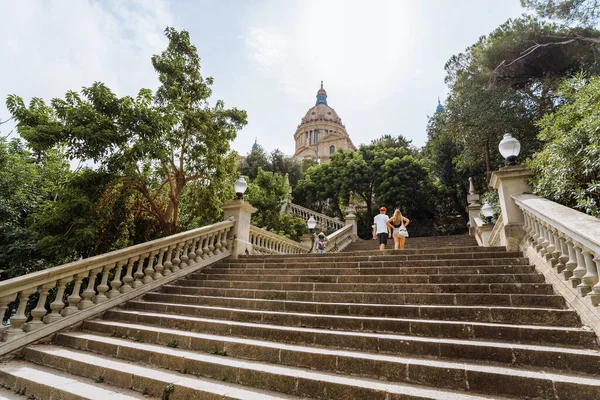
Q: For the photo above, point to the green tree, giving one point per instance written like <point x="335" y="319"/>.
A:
<point x="585" y="12"/>
<point x="567" y="170"/>
<point x="156" y="144"/>
<point x="267" y="193"/>
<point x="255" y="160"/>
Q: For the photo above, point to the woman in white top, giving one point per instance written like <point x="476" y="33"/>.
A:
<point x="398" y="224"/>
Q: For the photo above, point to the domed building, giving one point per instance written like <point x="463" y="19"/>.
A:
<point x="321" y="132"/>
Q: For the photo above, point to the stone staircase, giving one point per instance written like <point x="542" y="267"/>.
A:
<point x="442" y="320"/>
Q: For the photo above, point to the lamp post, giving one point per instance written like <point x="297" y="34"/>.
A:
<point x="488" y="212"/>
<point x="312" y="224"/>
<point x="240" y="187"/>
<point x="509" y="148"/>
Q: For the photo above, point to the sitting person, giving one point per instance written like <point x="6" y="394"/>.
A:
<point x="321" y="243"/>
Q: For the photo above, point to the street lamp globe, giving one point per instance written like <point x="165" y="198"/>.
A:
<point x="240" y="187"/>
<point x="509" y="148"/>
<point x="311" y="223"/>
<point x="488" y="212"/>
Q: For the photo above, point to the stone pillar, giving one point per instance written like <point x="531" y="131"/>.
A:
<point x="473" y="207"/>
<point x="509" y="181"/>
<point x="241" y="212"/>
<point x="352" y="219"/>
<point x="306" y="240"/>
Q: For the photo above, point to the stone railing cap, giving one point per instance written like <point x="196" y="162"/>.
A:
<point x="507" y="173"/>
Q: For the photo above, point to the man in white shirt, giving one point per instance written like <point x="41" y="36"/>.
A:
<point x="381" y="228"/>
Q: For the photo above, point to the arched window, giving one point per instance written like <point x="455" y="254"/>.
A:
<point x="331" y="149"/>
<point x="310" y="138"/>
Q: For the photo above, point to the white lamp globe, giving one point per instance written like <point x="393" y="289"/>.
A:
<point x="509" y="148"/>
<point x="240" y="187"/>
<point x="488" y="212"/>
<point x="311" y="223"/>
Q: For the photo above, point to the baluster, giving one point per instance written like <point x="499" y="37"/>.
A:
<point x="4" y="302"/>
<point x="115" y="284"/>
<point x="530" y="227"/>
<point x="40" y="310"/>
<point x="176" y="260"/>
<point x="205" y="249"/>
<point x="545" y="241"/>
<point x="563" y="253"/>
<point x="103" y="287"/>
<point x="579" y="270"/>
<point x="89" y="292"/>
<point x="16" y="321"/>
<point x="168" y="263"/>
<point x="591" y="276"/>
<point x="159" y="268"/>
<point x="58" y="304"/>
<point x="571" y="264"/>
<point x="226" y="243"/>
<point x="139" y="272"/>
<point x="218" y="242"/>
<point x="211" y="244"/>
<point x="193" y="255"/>
<point x="74" y="299"/>
<point x="128" y="278"/>
<point x="540" y="239"/>
<point x="149" y="271"/>
<point x="185" y="258"/>
<point x="551" y="247"/>
<point x="596" y="289"/>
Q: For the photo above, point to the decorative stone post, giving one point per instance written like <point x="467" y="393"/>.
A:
<point x="352" y="219"/>
<point x="306" y="240"/>
<point x="509" y="181"/>
<point x="241" y="211"/>
<point x="473" y="207"/>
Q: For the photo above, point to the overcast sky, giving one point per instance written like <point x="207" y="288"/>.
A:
<point x="382" y="62"/>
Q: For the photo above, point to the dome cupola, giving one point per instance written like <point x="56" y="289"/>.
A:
<point x="322" y="95"/>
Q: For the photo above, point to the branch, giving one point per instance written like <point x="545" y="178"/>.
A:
<point x="194" y="177"/>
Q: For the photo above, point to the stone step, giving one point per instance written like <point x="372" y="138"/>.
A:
<point x="457" y="375"/>
<point x="366" y="256"/>
<point x="374" y="263"/>
<point x="471" y="270"/>
<point x="517" y="288"/>
<point x="448" y="350"/>
<point x="456" y="278"/>
<point x="7" y="394"/>
<point x="490" y="299"/>
<point x="405" y="326"/>
<point x="285" y="380"/>
<point x="512" y="315"/>
<point x="379" y="253"/>
<point x="40" y="382"/>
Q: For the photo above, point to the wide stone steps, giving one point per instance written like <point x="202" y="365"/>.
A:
<point x="418" y="327"/>
<point x="477" y="313"/>
<point x="284" y="368"/>
<point x="441" y="320"/>
<point x="492" y="299"/>
<point x="456" y="278"/>
<point x="163" y="361"/>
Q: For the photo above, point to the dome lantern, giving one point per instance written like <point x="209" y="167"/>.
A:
<point x="322" y="95"/>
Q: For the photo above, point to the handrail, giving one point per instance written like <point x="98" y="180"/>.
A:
<point x="496" y="234"/>
<point x="323" y="221"/>
<point x="265" y="242"/>
<point x="133" y="271"/>
<point x="568" y="239"/>
<point x="339" y="239"/>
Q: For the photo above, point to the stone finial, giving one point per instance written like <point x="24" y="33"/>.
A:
<point x="472" y="197"/>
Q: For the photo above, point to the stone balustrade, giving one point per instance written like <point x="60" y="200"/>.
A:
<point x="323" y="221"/>
<point x="496" y="238"/>
<point x="265" y="242"/>
<point x="567" y="239"/>
<point x="340" y="239"/>
<point x="46" y="301"/>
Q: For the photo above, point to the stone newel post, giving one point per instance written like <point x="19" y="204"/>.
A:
<point x="352" y="219"/>
<point x="473" y="207"/>
<point x="509" y="181"/>
<point x="240" y="234"/>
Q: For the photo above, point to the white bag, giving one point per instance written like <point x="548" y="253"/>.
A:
<point x="400" y="231"/>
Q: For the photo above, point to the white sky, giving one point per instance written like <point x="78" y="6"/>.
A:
<point x="382" y="62"/>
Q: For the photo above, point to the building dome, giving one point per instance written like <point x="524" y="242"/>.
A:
<point x="440" y="107"/>
<point x="321" y="131"/>
<point x="255" y="145"/>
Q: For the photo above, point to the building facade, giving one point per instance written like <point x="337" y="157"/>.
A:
<point x="321" y="132"/>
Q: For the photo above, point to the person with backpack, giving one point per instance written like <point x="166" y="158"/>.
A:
<point x="398" y="224"/>
<point x="321" y="243"/>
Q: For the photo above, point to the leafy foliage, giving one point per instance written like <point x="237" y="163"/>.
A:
<point x="567" y="170"/>
<point x="585" y="12"/>
<point x="267" y="193"/>
<point x="156" y="144"/>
